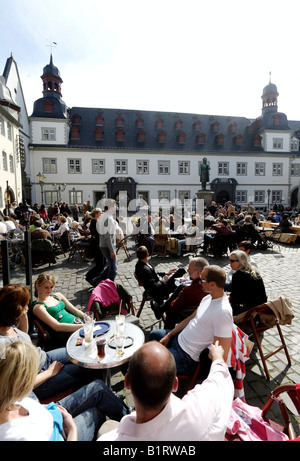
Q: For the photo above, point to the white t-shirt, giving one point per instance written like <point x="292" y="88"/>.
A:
<point x="36" y="426"/>
<point x="213" y="318"/>
<point x="202" y="414"/>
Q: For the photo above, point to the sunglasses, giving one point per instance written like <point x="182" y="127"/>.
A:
<point x="233" y="260"/>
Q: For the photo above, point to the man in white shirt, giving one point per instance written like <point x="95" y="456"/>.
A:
<point x="211" y="322"/>
<point x="201" y="415"/>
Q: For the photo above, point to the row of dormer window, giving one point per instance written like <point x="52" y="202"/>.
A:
<point x="162" y="137"/>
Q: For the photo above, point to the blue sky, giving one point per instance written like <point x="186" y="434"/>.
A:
<point x="198" y="56"/>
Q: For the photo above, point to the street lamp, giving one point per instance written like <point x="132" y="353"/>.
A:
<point x="60" y="188"/>
<point x="41" y="179"/>
<point x="268" y="192"/>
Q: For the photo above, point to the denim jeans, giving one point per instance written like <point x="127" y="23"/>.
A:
<point x="89" y="406"/>
<point x="185" y="365"/>
<point x="110" y="270"/>
<point x="70" y="375"/>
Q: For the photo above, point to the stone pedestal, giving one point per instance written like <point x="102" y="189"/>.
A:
<point x="206" y="195"/>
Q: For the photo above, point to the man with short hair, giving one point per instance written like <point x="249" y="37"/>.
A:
<point x="211" y="322"/>
<point x="186" y="297"/>
<point x="202" y="415"/>
<point x="159" y="285"/>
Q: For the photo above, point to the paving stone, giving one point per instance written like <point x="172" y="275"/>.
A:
<point x="281" y="275"/>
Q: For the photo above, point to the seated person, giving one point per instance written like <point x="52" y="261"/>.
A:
<point x="185" y="297"/>
<point x="76" y="236"/>
<point x="55" y="372"/>
<point x="247" y="286"/>
<point x="158" y="287"/>
<point x="39" y="232"/>
<point x="75" y="417"/>
<point x="245" y="246"/>
<point x="285" y="224"/>
<point x="202" y="415"/>
<point x="221" y="229"/>
<point x="146" y="231"/>
<point x="63" y="226"/>
<point x="54" y="309"/>
<point x="211" y="322"/>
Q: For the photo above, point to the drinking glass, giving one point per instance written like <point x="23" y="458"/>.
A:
<point x="120" y="324"/>
<point x="119" y="340"/>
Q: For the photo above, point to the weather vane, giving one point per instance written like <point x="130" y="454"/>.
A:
<point x="51" y="44"/>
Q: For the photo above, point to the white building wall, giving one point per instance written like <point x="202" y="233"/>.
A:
<point x="90" y="183"/>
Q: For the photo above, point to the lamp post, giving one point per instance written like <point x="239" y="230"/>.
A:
<point x="41" y="179"/>
<point x="60" y="188"/>
<point x="268" y="192"/>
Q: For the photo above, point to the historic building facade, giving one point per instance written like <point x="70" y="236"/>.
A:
<point x="14" y="138"/>
<point x="92" y="153"/>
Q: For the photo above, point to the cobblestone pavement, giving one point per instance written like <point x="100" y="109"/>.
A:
<point x="281" y="275"/>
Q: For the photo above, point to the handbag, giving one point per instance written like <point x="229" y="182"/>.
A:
<point x="247" y="424"/>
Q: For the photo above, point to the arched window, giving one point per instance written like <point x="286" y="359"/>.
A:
<point x="76" y="119"/>
<point x="140" y="122"/>
<point x="178" y="124"/>
<point x="119" y="122"/>
<point x="277" y="120"/>
<point x="162" y="137"/>
<point x="99" y="134"/>
<point x="201" y="138"/>
<point x="74" y="133"/>
<point x="159" y="123"/>
<point x="215" y="126"/>
<point x="220" y="139"/>
<point x="238" y="140"/>
<point x="181" y="138"/>
<point x="197" y="125"/>
<point x="99" y="120"/>
<point x="257" y="140"/>
<point x="141" y="136"/>
<point x="120" y="135"/>
<point x="48" y="106"/>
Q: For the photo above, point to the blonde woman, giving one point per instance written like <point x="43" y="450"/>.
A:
<point x="54" y="309"/>
<point x="22" y="418"/>
<point x="247" y="286"/>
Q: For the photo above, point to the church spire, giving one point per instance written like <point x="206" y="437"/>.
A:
<point x="51" y="80"/>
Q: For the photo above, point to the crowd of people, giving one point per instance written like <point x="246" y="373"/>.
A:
<point x="199" y="306"/>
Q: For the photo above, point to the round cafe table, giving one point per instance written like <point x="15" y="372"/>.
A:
<point x="86" y="355"/>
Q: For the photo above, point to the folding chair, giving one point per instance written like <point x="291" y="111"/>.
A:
<point x="262" y="426"/>
<point x="122" y="243"/>
<point x="293" y="391"/>
<point x="75" y="248"/>
<point x="146" y="297"/>
<point x="160" y="245"/>
<point x="253" y="324"/>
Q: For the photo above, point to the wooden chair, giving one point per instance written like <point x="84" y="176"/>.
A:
<point x="253" y="326"/>
<point x="146" y="297"/>
<point x="160" y="245"/>
<point x="293" y="391"/>
<point x="62" y="243"/>
<point x="75" y="248"/>
<point x="122" y="244"/>
<point x="292" y="395"/>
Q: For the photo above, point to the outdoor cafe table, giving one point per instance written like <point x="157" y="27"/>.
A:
<point x="86" y="356"/>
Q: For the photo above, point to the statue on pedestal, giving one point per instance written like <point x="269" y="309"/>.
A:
<point x="204" y="173"/>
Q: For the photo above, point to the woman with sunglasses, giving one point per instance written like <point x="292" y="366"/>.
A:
<point x="247" y="286"/>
